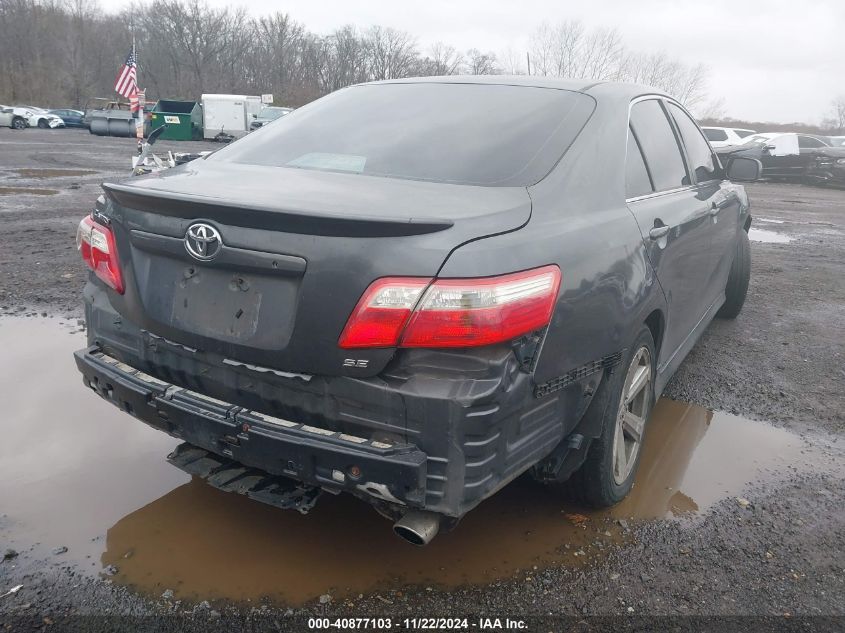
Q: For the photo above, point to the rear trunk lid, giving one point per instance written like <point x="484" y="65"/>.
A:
<point x="299" y="249"/>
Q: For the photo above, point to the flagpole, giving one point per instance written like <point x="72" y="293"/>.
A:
<point x="139" y="122"/>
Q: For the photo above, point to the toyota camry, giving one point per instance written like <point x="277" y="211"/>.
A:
<point x="415" y="291"/>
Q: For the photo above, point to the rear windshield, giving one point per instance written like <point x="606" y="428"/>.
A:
<point x="444" y="132"/>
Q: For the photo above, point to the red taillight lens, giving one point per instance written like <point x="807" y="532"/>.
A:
<point x="452" y="312"/>
<point x="382" y="312"/>
<point x="97" y="247"/>
<point x="475" y="312"/>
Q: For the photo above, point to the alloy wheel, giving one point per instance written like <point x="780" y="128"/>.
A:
<point x="633" y="413"/>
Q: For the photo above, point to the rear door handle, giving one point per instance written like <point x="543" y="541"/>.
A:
<point x="658" y="231"/>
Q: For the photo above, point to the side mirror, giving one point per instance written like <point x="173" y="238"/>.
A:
<point x="769" y="148"/>
<point x="743" y="169"/>
<point x="254" y="116"/>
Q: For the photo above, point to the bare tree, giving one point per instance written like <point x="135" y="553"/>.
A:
<point x="713" y="109"/>
<point x="442" y="60"/>
<point x="61" y="52"/>
<point x="569" y="49"/>
<point x="686" y="83"/>
<point x="598" y="54"/>
<point x="392" y="54"/>
<point x="479" y="63"/>
<point x="512" y="62"/>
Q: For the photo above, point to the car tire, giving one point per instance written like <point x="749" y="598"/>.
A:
<point x="738" y="279"/>
<point x="608" y="472"/>
<point x="18" y="123"/>
<point x="42" y="123"/>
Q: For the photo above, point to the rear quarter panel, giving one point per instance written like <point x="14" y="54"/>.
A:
<point x="580" y="222"/>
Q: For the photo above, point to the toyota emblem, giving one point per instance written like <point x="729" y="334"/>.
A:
<point x="203" y="241"/>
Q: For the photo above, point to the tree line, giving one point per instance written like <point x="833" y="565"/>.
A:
<point x="62" y="52"/>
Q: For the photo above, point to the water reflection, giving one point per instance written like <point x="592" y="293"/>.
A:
<point x="201" y="542"/>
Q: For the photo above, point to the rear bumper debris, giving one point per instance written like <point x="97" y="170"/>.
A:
<point x="230" y="476"/>
<point x="238" y="438"/>
<point x="437" y="430"/>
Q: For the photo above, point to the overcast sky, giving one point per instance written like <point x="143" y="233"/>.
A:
<point x="771" y="60"/>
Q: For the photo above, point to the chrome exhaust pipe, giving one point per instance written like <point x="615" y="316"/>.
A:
<point x="418" y="527"/>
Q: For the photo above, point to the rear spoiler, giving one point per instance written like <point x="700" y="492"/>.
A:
<point x="192" y="206"/>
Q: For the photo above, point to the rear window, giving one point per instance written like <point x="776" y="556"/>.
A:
<point x="475" y="134"/>
<point x="808" y="142"/>
<point x="714" y="135"/>
<point x="659" y="145"/>
<point x="637" y="181"/>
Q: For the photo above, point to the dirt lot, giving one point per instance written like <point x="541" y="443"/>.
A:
<point x="775" y="553"/>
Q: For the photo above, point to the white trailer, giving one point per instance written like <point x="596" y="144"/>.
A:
<point x="253" y="107"/>
<point x="227" y="113"/>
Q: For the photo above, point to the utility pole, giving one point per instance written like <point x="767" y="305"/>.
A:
<point x="528" y="60"/>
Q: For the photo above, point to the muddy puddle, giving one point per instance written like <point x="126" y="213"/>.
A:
<point x="77" y="472"/>
<point x="771" y="237"/>
<point x="32" y="191"/>
<point x="52" y="173"/>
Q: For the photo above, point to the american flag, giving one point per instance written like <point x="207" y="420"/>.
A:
<point x="126" y="80"/>
<point x="134" y="100"/>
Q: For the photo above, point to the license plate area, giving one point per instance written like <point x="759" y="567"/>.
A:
<point x="248" y="309"/>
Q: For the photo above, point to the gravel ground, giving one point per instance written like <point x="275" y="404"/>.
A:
<point x="780" y="557"/>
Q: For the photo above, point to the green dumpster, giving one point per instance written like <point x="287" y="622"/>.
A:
<point x="183" y="119"/>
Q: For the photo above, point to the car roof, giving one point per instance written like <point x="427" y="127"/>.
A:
<point x="577" y="85"/>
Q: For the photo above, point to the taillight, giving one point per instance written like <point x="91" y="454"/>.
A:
<point x="97" y="247"/>
<point x="382" y="312"/>
<point x="452" y="312"/>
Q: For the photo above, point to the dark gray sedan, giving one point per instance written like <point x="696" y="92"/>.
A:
<point x="414" y="291"/>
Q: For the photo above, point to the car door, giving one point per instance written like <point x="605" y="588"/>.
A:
<point x="722" y="195"/>
<point x="808" y="148"/>
<point x="781" y="156"/>
<point x="674" y="218"/>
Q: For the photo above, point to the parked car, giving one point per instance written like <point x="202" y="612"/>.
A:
<point x="46" y="120"/>
<point x="39" y="117"/>
<point x="72" y="118"/>
<point x="268" y="114"/>
<point x="783" y="155"/>
<point x="24" y="111"/>
<point x="724" y="136"/>
<point x="828" y="164"/>
<point x="474" y="280"/>
<point x="9" y="118"/>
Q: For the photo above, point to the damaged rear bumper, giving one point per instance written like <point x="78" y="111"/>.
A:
<point x="438" y="431"/>
<point x="330" y="460"/>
